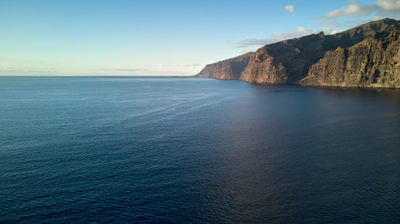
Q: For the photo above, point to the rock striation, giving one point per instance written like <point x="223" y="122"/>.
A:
<point x="285" y="61"/>
<point x="373" y="62"/>
<point x="365" y="56"/>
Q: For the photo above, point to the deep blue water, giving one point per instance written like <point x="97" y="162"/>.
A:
<point x="184" y="150"/>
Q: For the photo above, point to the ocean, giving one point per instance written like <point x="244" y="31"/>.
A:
<point x="187" y="150"/>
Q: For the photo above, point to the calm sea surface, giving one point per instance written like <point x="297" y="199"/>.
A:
<point x="184" y="150"/>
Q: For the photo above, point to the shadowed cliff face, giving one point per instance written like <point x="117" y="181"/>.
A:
<point x="373" y="62"/>
<point x="365" y="56"/>
<point x="228" y="69"/>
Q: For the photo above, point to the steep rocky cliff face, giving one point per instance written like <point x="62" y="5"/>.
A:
<point x="228" y="69"/>
<point x="289" y="61"/>
<point x="373" y="62"/>
<point x="285" y="61"/>
<point x="365" y="56"/>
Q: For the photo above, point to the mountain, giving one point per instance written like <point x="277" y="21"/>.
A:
<point x="365" y="56"/>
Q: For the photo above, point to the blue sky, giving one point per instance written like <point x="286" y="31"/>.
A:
<point x="148" y="37"/>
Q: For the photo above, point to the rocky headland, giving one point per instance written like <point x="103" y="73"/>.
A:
<point x="365" y="56"/>
<point x="227" y="69"/>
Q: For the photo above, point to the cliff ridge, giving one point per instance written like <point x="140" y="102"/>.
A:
<point x="364" y="56"/>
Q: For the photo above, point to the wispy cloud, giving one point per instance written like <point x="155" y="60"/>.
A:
<point x="354" y="14"/>
<point x="127" y="69"/>
<point x="245" y="51"/>
<point x="194" y="65"/>
<point x="330" y="31"/>
<point x="6" y="69"/>
<point x="380" y="8"/>
<point x="299" y="31"/>
<point x="289" y="8"/>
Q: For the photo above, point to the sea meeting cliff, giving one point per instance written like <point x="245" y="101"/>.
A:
<point x="365" y="56"/>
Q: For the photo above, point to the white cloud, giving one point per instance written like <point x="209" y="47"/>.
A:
<point x="378" y="9"/>
<point x="352" y="10"/>
<point x="299" y="31"/>
<point x="245" y="51"/>
<point x="289" y="8"/>
<point x="389" y="5"/>
<point x="354" y="14"/>
<point x="330" y="31"/>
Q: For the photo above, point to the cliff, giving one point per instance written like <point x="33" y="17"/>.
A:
<point x="285" y="61"/>
<point x="228" y="69"/>
<point x="373" y="62"/>
<point x="365" y="56"/>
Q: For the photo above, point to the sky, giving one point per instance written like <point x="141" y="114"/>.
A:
<point x="164" y="37"/>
